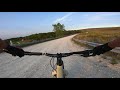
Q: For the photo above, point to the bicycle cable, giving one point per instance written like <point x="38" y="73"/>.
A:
<point x="52" y="63"/>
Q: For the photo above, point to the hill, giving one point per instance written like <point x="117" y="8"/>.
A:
<point x="99" y="35"/>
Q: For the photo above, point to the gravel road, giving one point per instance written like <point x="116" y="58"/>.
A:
<point x="39" y="66"/>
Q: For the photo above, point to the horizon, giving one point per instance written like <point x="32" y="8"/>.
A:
<point x="20" y="24"/>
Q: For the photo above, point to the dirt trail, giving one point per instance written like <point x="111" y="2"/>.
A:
<point x="39" y="66"/>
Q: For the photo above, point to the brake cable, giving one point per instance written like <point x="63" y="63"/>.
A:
<point x="52" y="63"/>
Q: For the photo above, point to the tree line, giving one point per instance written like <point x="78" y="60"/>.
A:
<point x="58" y="31"/>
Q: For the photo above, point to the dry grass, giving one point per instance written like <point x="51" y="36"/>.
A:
<point x="101" y="35"/>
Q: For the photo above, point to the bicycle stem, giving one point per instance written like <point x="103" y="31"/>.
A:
<point x="59" y="60"/>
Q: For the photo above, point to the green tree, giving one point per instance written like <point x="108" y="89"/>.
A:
<point x="59" y="29"/>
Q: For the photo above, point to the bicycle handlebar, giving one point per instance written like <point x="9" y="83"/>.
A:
<point x="32" y="53"/>
<point x="85" y="53"/>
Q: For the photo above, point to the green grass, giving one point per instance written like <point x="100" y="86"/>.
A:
<point x="114" y="61"/>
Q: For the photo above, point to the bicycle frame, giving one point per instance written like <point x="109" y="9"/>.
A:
<point x="59" y="72"/>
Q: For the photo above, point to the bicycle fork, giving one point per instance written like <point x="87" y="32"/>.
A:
<point x="59" y="72"/>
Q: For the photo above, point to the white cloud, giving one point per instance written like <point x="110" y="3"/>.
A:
<point x="64" y="17"/>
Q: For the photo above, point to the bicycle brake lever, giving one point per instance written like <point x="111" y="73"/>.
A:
<point x="87" y="53"/>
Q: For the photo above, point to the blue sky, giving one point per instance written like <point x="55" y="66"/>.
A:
<point x="16" y="24"/>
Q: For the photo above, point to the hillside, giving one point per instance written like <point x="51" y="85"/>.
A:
<point x="99" y="35"/>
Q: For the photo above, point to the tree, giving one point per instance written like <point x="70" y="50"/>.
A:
<point x="59" y="29"/>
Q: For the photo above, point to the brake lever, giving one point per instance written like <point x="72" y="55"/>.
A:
<point x="87" y="53"/>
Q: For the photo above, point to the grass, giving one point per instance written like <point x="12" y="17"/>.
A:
<point x="81" y="44"/>
<point x="101" y="35"/>
<point x="114" y="61"/>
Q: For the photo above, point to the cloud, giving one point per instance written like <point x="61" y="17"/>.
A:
<point x="64" y="17"/>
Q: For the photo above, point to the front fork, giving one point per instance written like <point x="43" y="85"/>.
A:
<point x="62" y="73"/>
<point x="59" y="72"/>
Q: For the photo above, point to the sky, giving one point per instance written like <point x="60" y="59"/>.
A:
<point x="18" y="24"/>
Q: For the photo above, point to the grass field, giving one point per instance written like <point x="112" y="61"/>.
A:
<point x="101" y="35"/>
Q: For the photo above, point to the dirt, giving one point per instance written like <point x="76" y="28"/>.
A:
<point x="39" y="66"/>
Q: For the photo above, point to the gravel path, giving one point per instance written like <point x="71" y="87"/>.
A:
<point x="39" y="66"/>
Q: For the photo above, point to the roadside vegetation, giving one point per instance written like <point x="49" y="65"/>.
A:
<point x="58" y="32"/>
<point x="101" y="35"/>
